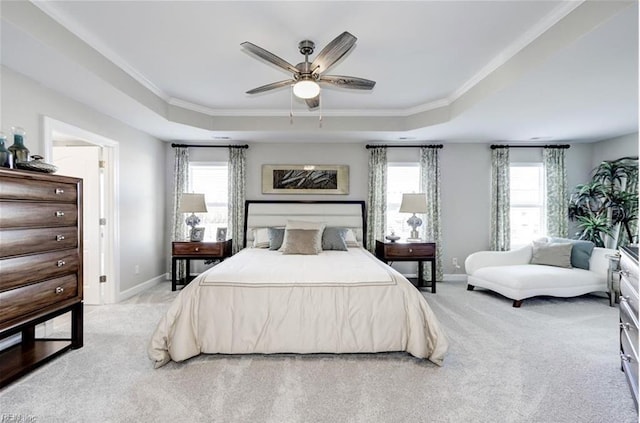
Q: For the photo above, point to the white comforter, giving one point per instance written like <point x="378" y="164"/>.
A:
<point x="261" y="301"/>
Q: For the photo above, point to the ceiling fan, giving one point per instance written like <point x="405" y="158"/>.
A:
<point x="307" y="75"/>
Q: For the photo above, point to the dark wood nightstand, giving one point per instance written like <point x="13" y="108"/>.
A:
<point x="186" y="250"/>
<point x="410" y="251"/>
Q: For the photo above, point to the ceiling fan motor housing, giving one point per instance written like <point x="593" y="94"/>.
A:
<point x="306" y="47"/>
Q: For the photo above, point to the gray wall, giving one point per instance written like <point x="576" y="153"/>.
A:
<point x="141" y="189"/>
<point x="465" y="173"/>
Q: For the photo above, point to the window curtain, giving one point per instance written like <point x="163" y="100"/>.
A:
<point x="500" y="202"/>
<point x="237" y="184"/>
<point x="430" y="185"/>
<point x="377" y="197"/>
<point x="557" y="195"/>
<point x="179" y="230"/>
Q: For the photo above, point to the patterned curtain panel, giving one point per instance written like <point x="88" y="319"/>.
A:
<point x="237" y="184"/>
<point x="500" y="202"/>
<point x="179" y="230"/>
<point x="557" y="193"/>
<point x="430" y="185"/>
<point x="377" y="198"/>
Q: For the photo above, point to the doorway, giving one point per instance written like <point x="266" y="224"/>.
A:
<point x="93" y="158"/>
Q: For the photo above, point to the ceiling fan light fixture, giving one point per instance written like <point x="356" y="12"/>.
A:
<point x="306" y="89"/>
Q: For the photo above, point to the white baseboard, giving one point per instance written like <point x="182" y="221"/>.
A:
<point x="446" y="277"/>
<point x="457" y="277"/>
<point x="141" y="287"/>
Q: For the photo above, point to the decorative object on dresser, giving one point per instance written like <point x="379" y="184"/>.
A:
<point x="411" y="251"/>
<point x="6" y="159"/>
<point x="414" y="203"/>
<point x="196" y="251"/>
<point x="221" y="234"/>
<point x="41" y="261"/>
<point x="192" y="203"/>
<point x="305" y="179"/>
<point x="629" y="317"/>
<point x="18" y="150"/>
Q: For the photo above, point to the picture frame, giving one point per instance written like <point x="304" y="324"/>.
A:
<point x="197" y="234"/>
<point x="221" y="234"/>
<point x="305" y="179"/>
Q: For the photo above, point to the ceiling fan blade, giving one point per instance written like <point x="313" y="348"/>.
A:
<point x="269" y="57"/>
<point x="314" y="102"/>
<point x="333" y="52"/>
<point x="351" y="82"/>
<point x="271" y="86"/>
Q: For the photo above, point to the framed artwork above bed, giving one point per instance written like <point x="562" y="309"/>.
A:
<point x="305" y="179"/>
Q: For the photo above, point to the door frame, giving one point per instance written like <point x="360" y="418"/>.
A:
<point x="111" y="155"/>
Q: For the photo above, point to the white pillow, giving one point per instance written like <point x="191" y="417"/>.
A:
<point x="261" y="238"/>
<point x="301" y="224"/>
<point x="350" y="239"/>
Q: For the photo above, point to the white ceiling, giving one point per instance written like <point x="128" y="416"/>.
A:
<point x="446" y="71"/>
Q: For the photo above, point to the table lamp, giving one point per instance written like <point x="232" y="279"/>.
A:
<point x="192" y="203"/>
<point x="414" y="203"/>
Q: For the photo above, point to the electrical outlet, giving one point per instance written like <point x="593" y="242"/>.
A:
<point x="454" y="261"/>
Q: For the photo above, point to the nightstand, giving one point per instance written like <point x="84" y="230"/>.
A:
<point x="410" y="251"/>
<point x="186" y="250"/>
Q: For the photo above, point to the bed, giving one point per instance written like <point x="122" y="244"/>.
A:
<point x="263" y="301"/>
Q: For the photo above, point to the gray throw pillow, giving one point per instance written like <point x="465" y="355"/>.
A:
<point x="301" y="241"/>
<point x="580" y="253"/>
<point x="552" y="254"/>
<point x="333" y="239"/>
<point x="276" y="236"/>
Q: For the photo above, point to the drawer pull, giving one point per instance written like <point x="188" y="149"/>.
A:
<point x="625" y="326"/>
<point x="624" y="273"/>
<point x="59" y="237"/>
<point x="59" y="213"/>
<point x="197" y="249"/>
<point x="61" y="263"/>
<point x="411" y="250"/>
<point x="59" y="290"/>
<point x="59" y="191"/>
<point x="625" y="357"/>
<point x="624" y="298"/>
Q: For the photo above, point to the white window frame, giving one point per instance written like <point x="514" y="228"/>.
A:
<point x="541" y="204"/>
<point x="210" y="234"/>
<point x="403" y="230"/>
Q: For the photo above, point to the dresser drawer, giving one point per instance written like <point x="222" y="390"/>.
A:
<point x="21" y="189"/>
<point x="628" y="295"/>
<point x="198" y="249"/>
<point x="14" y="214"/>
<point x="629" y="358"/>
<point x="629" y="327"/>
<point x="408" y="250"/>
<point x="629" y="270"/>
<point x="31" y="298"/>
<point x="26" y="241"/>
<point x="40" y="267"/>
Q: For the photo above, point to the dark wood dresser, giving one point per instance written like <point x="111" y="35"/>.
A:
<point x="629" y="317"/>
<point x="40" y="266"/>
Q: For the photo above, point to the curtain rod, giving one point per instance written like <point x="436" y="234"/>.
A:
<point x="404" y="146"/>
<point x="211" y="146"/>
<point x="494" y="146"/>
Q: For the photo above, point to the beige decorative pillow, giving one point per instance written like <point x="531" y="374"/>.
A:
<point x="302" y="224"/>
<point x="261" y="238"/>
<point x="557" y="254"/>
<point x="350" y="239"/>
<point x="301" y="241"/>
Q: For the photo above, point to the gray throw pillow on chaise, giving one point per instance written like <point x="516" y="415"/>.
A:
<point x="580" y="253"/>
<point x="550" y="254"/>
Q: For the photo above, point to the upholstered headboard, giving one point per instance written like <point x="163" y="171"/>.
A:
<point x="264" y="213"/>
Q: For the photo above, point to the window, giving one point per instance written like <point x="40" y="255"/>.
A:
<point x="211" y="180"/>
<point x="527" y="203"/>
<point x="401" y="178"/>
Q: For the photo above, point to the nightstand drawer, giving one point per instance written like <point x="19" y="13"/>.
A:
<point x="408" y="250"/>
<point x="215" y="249"/>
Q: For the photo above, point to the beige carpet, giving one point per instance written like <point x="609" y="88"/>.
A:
<point x="552" y="360"/>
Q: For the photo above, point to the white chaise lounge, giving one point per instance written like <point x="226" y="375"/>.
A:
<point x="510" y="273"/>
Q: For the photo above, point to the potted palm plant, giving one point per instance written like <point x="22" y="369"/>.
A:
<point x="606" y="208"/>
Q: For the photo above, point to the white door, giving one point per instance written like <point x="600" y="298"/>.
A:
<point x="84" y="162"/>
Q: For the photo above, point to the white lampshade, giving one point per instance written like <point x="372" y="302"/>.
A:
<point x="192" y="203"/>
<point x="306" y="89"/>
<point x="414" y="203"/>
